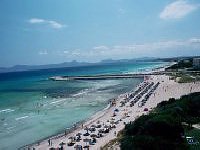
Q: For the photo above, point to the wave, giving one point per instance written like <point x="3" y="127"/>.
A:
<point x="82" y="92"/>
<point x="21" y="118"/>
<point x="10" y="128"/>
<point x="54" y="102"/>
<point x="7" y="110"/>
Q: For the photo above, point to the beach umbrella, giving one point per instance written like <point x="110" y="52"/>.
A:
<point x="112" y="122"/>
<point x="87" y="129"/>
<point x="86" y="140"/>
<point x="86" y="134"/>
<point x="93" y="135"/>
<point x="98" y="122"/>
<point x="106" y="126"/>
<point x="86" y="146"/>
<point x="71" y="137"/>
<point x="107" y="123"/>
<point x="93" y="126"/>
<point x="98" y="126"/>
<point x="61" y="144"/>
<point x="100" y="130"/>
<point x="78" y="134"/>
<point x="116" y="110"/>
<point x="78" y="147"/>
<point x="92" y="130"/>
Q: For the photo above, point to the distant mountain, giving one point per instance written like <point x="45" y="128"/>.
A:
<point x="73" y="63"/>
<point x="19" y="68"/>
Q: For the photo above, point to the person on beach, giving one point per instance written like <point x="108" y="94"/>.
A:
<point x="65" y="133"/>
<point x="61" y="148"/>
<point x="49" y="142"/>
<point x="115" y="133"/>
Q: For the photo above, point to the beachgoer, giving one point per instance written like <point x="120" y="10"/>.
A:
<point x="49" y="142"/>
<point x="61" y="148"/>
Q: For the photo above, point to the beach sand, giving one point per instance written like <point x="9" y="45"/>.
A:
<point x="165" y="90"/>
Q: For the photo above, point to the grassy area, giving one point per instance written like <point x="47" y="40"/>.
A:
<point x="186" y="79"/>
<point x="198" y="78"/>
<point x="196" y="134"/>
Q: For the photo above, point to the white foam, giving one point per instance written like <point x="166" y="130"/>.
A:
<point x="54" y="102"/>
<point x="81" y="92"/>
<point x="10" y="128"/>
<point x="7" y="110"/>
<point x="21" y="118"/>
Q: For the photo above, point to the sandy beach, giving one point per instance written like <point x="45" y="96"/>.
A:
<point x="105" y="125"/>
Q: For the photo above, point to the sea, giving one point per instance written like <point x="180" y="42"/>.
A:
<point x="32" y="107"/>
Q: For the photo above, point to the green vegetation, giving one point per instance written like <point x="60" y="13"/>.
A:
<point x="163" y="128"/>
<point x="197" y="77"/>
<point x="182" y="64"/>
<point x="186" y="79"/>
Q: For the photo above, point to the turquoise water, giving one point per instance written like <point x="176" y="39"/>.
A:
<point x="33" y="107"/>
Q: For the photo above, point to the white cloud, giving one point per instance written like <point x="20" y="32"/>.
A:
<point x="195" y="40"/>
<point x="144" y="48"/>
<point x="76" y="53"/>
<point x="102" y="47"/>
<point x="56" y="25"/>
<point x="177" y="9"/>
<point x="151" y="49"/>
<point x="51" y="23"/>
<point x="36" y="20"/>
<point x="44" y="52"/>
<point x="66" y="52"/>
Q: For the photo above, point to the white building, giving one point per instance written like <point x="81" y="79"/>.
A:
<point x="196" y="62"/>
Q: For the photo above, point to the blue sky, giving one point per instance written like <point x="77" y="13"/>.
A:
<point x="54" y="31"/>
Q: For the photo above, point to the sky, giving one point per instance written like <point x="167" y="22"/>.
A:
<point x="34" y="32"/>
